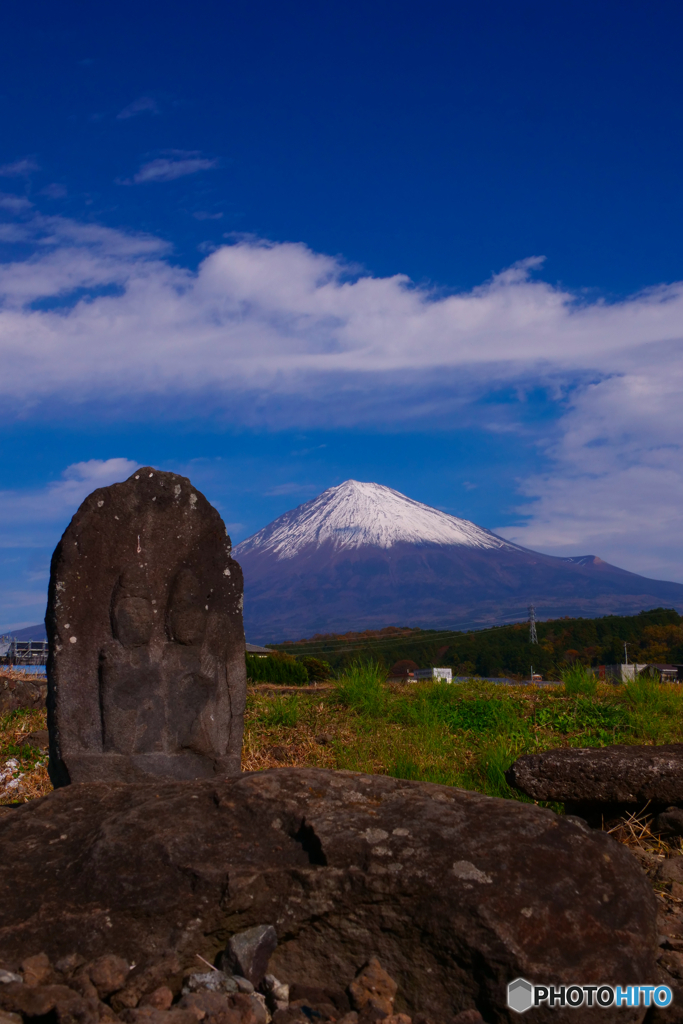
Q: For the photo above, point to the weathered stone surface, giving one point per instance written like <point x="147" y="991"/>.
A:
<point x="146" y="674"/>
<point x="670" y="821"/>
<point x="209" y="981"/>
<point x="373" y="988"/>
<point x="455" y="892"/>
<point x="10" y="1018"/>
<point x="161" y="998"/>
<point x="248" y="953"/>
<point x="69" y="1006"/>
<point x="108" y="974"/>
<point x="16" y="692"/>
<point x="36" y="969"/>
<point x="146" y="977"/>
<point x="277" y="993"/>
<point x="618" y="774"/>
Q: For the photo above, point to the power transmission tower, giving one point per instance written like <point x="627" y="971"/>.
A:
<point x="533" y="639"/>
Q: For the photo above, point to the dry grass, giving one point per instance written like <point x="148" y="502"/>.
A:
<point x="31" y="771"/>
<point x="635" y="830"/>
<point x="312" y="727"/>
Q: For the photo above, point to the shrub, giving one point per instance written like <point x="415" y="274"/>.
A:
<point x="403" y="668"/>
<point x="276" y="668"/>
<point x="317" y="669"/>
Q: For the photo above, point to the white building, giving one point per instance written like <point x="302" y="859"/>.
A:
<point x="434" y="673"/>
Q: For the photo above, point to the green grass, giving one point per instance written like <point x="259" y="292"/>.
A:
<point x="459" y="734"/>
<point x="579" y="679"/>
<point x="283" y="711"/>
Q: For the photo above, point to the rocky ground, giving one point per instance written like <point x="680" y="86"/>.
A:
<point x="110" y="989"/>
<point x="135" y="962"/>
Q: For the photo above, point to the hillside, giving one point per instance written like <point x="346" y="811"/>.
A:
<point x="652" y="636"/>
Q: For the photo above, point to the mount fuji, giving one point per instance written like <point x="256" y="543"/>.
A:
<point x="363" y="556"/>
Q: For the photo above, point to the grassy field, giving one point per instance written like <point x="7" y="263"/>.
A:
<point x="464" y="734"/>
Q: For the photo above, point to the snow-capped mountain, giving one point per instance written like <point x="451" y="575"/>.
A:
<point x="362" y="556"/>
<point x="356" y="514"/>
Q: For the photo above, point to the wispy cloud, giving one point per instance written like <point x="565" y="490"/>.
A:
<point x="276" y="335"/>
<point x="143" y="105"/>
<point x="15" y="204"/>
<point x="171" y="168"/>
<point x="31" y="518"/>
<point x="19" y="169"/>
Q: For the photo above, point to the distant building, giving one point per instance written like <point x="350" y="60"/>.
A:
<point x="626" y="673"/>
<point x="260" y="652"/>
<point x="667" y="673"/>
<point x="23" y="652"/>
<point x="434" y="673"/>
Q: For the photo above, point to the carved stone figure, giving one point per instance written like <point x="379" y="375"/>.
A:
<point x="146" y="673"/>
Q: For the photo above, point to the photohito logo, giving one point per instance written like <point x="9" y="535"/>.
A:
<point x="522" y="995"/>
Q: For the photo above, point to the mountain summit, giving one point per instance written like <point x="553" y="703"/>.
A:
<point x="355" y="514"/>
<point x="363" y="556"/>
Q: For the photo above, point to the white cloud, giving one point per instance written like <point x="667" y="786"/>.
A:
<point x="15" y="204"/>
<point x="34" y="518"/>
<point x="19" y="169"/>
<point x="170" y="168"/>
<point x="278" y="335"/>
<point x="616" y="486"/>
<point x="143" y="105"/>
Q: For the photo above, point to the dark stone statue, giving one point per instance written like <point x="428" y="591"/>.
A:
<point x="146" y="673"/>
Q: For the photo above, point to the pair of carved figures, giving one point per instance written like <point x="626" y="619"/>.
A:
<point x="146" y="674"/>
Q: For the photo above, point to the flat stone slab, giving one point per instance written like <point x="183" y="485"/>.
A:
<point x="616" y="775"/>
<point x="455" y="892"/>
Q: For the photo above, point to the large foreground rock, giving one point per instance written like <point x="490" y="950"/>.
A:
<point x="146" y="674"/>
<point x="455" y="892"/>
<point x="607" y="775"/>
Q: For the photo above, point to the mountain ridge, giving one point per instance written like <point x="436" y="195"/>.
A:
<point x="355" y="513"/>
<point x="364" y="556"/>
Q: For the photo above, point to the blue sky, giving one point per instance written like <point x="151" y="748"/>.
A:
<point x="274" y="246"/>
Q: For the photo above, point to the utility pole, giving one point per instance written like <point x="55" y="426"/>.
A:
<point x="626" y="652"/>
<point x="533" y="639"/>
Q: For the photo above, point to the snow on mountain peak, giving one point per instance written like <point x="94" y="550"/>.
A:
<point x="356" y="514"/>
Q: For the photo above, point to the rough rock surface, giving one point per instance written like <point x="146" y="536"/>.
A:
<point x="146" y="675"/>
<point x="616" y="775"/>
<point x="670" y="821"/>
<point x="455" y="892"/>
<point x="16" y="692"/>
<point x="248" y="952"/>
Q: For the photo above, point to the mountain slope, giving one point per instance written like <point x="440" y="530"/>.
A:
<point x="364" y="556"/>
<point x="356" y="514"/>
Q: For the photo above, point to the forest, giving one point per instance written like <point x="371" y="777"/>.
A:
<point x="652" y="637"/>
